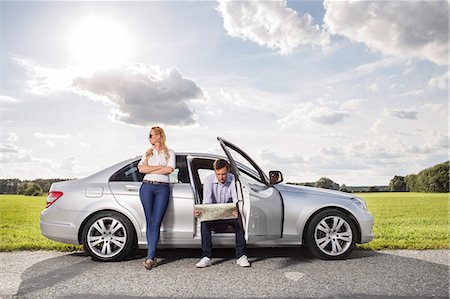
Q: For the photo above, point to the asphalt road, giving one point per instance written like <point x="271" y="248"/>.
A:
<point x="282" y="273"/>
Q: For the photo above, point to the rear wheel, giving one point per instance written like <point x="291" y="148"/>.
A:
<point x="108" y="236"/>
<point x="331" y="235"/>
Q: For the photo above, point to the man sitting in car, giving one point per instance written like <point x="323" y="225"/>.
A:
<point x="220" y="188"/>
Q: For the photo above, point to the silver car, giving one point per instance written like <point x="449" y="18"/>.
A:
<point x="104" y="213"/>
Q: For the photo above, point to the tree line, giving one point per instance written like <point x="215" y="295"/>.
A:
<point x="432" y="179"/>
<point x="327" y="183"/>
<point x="35" y="187"/>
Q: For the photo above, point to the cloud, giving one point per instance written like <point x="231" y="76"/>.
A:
<point x="403" y="114"/>
<point x="42" y="135"/>
<point x="370" y="152"/>
<point x="84" y="144"/>
<point x="408" y="29"/>
<point x="25" y="165"/>
<point x="436" y="109"/>
<point x="371" y="67"/>
<point x="43" y="80"/>
<point x="373" y="87"/>
<point x="144" y="96"/>
<point x="327" y="116"/>
<point x="139" y="95"/>
<point x="416" y="92"/>
<point x="319" y="112"/>
<point x="432" y="142"/>
<point x="10" y="153"/>
<point x="67" y="167"/>
<point x="365" y="70"/>
<point x="382" y="156"/>
<point x="397" y="86"/>
<point x="353" y="104"/>
<point x="9" y="148"/>
<point x="271" y="24"/>
<point x="274" y="159"/>
<point x="331" y="151"/>
<point x="12" y="137"/>
<point x="440" y="82"/>
<point x="8" y="99"/>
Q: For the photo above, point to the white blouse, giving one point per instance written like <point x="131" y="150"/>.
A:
<point x="158" y="159"/>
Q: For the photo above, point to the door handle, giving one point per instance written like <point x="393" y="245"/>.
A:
<point x="131" y="188"/>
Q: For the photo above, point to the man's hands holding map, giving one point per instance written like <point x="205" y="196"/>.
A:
<point x="208" y="212"/>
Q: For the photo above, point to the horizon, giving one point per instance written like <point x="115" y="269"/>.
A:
<point x="284" y="181"/>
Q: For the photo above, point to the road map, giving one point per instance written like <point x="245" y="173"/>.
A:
<point x="217" y="211"/>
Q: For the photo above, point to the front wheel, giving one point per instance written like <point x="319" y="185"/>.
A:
<point x="108" y="236"/>
<point x="331" y="235"/>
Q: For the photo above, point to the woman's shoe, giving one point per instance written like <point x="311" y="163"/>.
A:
<point x="149" y="263"/>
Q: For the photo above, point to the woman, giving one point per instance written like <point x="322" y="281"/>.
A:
<point x="157" y="163"/>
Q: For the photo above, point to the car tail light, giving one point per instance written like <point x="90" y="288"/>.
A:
<point x="52" y="197"/>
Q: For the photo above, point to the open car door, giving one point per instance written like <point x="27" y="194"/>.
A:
<point x="260" y="205"/>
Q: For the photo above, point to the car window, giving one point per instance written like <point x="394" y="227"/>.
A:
<point x="181" y="170"/>
<point x="203" y="173"/>
<point x="253" y="183"/>
<point x="245" y="165"/>
<point x="130" y="173"/>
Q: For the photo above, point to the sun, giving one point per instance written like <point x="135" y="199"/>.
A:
<point x="99" y="42"/>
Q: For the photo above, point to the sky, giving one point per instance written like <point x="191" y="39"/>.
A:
<point x="356" y="91"/>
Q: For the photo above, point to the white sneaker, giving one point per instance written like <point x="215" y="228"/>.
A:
<point x="243" y="261"/>
<point x="204" y="262"/>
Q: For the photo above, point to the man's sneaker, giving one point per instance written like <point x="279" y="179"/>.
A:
<point x="243" y="261"/>
<point x="204" y="262"/>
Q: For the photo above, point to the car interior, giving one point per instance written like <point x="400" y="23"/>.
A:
<point x="201" y="168"/>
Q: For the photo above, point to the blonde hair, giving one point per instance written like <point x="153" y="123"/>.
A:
<point x="158" y="131"/>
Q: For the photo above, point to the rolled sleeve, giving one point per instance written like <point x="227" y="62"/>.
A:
<point x="142" y="160"/>
<point x="171" y="160"/>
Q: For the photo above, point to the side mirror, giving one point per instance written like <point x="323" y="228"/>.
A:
<point x="275" y="177"/>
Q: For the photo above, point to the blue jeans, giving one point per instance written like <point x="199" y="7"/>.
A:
<point x="207" y="226"/>
<point x="154" y="199"/>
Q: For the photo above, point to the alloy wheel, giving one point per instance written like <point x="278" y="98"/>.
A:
<point x="333" y="235"/>
<point x="106" y="237"/>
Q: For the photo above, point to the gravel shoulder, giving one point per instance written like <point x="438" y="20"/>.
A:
<point x="13" y="264"/>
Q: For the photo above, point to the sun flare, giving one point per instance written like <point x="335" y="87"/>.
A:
<point x="99" y="42"/>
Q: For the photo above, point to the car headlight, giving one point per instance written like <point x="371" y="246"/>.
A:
<point x="360" y="203"/>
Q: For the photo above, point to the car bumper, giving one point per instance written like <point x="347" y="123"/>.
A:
<point x="365" y="222"/>
<point x="60" y="232"/>
<point x="61" y="225"/>
<point x="366" y="231"/>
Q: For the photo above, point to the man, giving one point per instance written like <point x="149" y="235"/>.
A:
<point x="220" y="188"/>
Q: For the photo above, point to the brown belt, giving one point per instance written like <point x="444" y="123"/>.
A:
<point x="154" y="182"/>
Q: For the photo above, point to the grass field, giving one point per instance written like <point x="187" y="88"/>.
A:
<point x="19" y="225"/>
<point x="409" y="220"/>
<point x="402" y="221"/>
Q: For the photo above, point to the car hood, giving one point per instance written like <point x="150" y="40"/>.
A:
<point x="312" y="190"/>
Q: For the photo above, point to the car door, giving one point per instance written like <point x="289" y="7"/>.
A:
<point x="260" y="205"/>
<point x="177" y="222"/>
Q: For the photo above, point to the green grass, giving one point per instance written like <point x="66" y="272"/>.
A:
<point x="19" y="225"/>
<point x="402" y="221"/>
<point x="409" y="220"/>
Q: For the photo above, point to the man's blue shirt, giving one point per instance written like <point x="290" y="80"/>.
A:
<point x="216" y="192"/>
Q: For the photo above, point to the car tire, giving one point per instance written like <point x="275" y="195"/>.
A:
<point x="331" y="235"/>
<point x="109" y="236"/>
